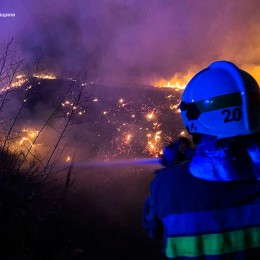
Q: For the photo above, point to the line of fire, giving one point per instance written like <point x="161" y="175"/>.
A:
<point x="131" y="123"/>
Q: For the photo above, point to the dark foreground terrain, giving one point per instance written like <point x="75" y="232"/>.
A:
<point x="98" y="217"/>
<point x="106" y="209"/>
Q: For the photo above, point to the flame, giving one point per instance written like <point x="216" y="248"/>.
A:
<point x="25" y="139"/>
<point x="150" y="115"/>
<point x="154" y="143"/>
<point x="157" y="136"/>
<point x="50" y="76"/>
<point x="169" y="84"/>
<point x="68" y="159"/>
<point x="70" y="106"/>
<point x="19" y="81"/>
<point x="128" y="138"/>
<point x="29" y="137"/>
<point x="26" y="142"/>
<point x="178" y="82"/>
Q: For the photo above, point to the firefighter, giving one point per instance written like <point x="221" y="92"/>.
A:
<point x="207" y="206"/>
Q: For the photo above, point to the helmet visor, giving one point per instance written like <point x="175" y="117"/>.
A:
<point x="195" y="109"/>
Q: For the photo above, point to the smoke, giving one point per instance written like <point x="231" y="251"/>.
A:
<point x="134" y="41"/>
<point x="119" y="42"/>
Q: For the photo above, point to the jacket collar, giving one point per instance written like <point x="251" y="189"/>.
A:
<point x="221" y="164"/>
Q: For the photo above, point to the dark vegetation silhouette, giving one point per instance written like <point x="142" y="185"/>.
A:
<point x="32" y="187"/>
<point x="42" y="216"/>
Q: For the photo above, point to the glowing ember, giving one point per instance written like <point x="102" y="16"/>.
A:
<point x="135" y="127"/>
<point x="68" y="159"/>
<point x="128" y="138"/>
<point x="150" y="116"/>
<point x="154" y="143"/>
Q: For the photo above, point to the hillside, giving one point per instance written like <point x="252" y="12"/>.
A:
<point x="100" y="215"/>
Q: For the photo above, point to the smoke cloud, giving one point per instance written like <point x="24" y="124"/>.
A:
<point x="121" y="41"/>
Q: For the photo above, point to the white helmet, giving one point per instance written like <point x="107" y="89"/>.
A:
<point x="221" y="100"/>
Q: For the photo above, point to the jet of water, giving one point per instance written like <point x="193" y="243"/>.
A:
<point x="129" y="162"/>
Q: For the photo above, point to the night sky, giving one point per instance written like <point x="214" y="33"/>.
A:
<point x="120" y="41"/>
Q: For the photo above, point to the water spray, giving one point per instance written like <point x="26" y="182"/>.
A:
<point x="115" y="163"/>
<point x="177" y="151"/>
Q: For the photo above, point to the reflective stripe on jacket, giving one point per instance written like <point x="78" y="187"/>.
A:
<point x="213" y="232"/>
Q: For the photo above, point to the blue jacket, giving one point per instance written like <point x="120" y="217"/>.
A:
<point x="202" y="219"/>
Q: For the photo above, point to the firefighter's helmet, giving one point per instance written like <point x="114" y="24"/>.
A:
<point x="222" y="101"/>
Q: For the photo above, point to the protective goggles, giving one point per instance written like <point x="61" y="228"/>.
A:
<point x="195" y="109"/>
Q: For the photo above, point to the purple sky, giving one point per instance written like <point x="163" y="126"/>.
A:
<point x="133" y="40"/>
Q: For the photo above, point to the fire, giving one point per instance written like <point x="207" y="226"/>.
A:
<point x="128" y="138"/>
<point x="26" y="142"/>
<point x="178" y="82"/>
<point x="154" y="143"/>
<point x="19" y="80"/>
<point x="168" y="84"/>
<point x="29" y="137"/>
<point x="175" y="107"/>
<point x="50" y="76"/>
<point x="69" y="106"/>
<point x="150" y="116"/>
<point x="157" y="136"/>
<point x="121" y="102"/>
<point x="25" y="139"/>
<point x="68" y="159"/>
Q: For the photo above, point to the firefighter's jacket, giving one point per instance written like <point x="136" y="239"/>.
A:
<point x="202" y="219"/>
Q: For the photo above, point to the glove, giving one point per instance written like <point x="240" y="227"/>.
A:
<point x="178" y="151"/>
